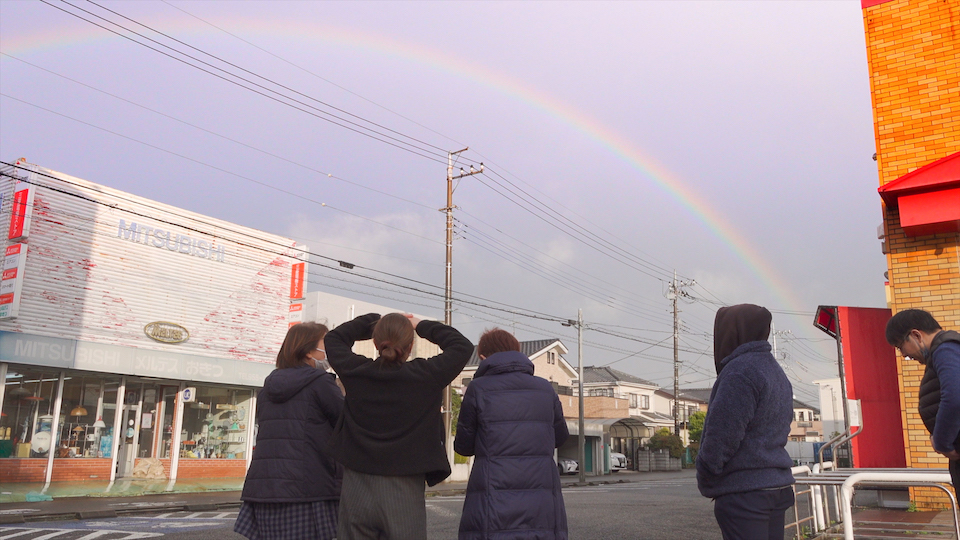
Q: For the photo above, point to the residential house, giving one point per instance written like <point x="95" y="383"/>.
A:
<point x="806" y="425"/>
<point x="548" y="363"/>
<point x="665" y="402"/>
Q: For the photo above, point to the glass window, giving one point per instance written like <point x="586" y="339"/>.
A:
<point x="166" y="412"/>
<point x="85" y="418"/>
<point x="633" y="400"/>
<point x="26" y="415"/>
<point x="644" y="401"/>
<point x="215" y="425"/>
<point x="148" y="421"/>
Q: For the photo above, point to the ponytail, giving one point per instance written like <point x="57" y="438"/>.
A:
<point x="393" y="337"/>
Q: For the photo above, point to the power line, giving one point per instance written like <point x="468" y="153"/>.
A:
<point x="265" y="92"/>
<point x="269" y="80"/>
<point x="219" y="135"/>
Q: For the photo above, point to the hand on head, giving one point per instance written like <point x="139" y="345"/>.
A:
<point x="413" y="319"/>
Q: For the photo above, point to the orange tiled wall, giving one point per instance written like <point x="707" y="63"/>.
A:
<point x="913" y="51"/>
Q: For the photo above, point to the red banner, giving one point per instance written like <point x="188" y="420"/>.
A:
<point x="296" y="281"/>
<point x="18" y="213"/>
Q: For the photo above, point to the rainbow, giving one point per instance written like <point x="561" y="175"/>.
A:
<point x="56" y="38"/>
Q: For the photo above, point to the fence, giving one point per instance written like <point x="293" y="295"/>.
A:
<point x="657" y="460"/>
<point x="826" y="496"/>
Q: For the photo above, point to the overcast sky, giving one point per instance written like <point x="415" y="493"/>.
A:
<point x="729" y="141"/>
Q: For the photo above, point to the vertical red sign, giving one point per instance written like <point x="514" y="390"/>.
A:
<point x="18" y="213"/>
<point x="296" y="280"/>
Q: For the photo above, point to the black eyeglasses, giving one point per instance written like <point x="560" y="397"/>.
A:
<point x="902" y="341"/>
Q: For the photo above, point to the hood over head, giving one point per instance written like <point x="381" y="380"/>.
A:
<point x="736" y="325"/>
<point x="283" y="384"/>
<point x="504" y="362"/>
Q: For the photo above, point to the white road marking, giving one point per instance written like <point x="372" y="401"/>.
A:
<point x="54" y="533"/>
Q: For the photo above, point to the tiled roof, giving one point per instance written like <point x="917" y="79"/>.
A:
<point x="528" y="348"/>
<point x="607" y="374"/>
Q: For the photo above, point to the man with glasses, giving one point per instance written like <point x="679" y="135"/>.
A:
<point x="919" y="336"/>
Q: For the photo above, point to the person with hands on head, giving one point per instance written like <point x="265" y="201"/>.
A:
<point x="743" y="464"/>
<point x="390" y="437"/>
<point x="292" y="489"/>
<point x="918" y="335"/>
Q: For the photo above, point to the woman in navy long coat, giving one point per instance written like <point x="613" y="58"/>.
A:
<point x="511" y="421"/>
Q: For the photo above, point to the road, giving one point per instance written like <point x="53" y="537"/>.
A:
<point x="648" y="509"/>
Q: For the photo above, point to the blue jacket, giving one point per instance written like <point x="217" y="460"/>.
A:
<point x="296" y="412"/>
<point x="747" y="426"/>
<point x="512" y="422"/>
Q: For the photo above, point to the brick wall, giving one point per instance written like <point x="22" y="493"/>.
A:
<point x="80" y="469"/>
<point x="210" y="468"/>
<point x="22" y="470"/>
<point x="64" y="470"/>
<point x="914" y="61"/>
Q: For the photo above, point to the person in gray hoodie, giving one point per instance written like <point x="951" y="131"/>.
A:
<point x="743" y="463"/>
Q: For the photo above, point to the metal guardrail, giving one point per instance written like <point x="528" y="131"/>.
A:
<point x="826" y="485"/>
<point x="890" y="478"/>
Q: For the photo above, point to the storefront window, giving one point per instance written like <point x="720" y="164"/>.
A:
<point x="26" y="414"/>
<point x="167" y="411"/>
<point x="86" y="416"/>
<point x="215" y="425"/>
<point x="148" y="421"/>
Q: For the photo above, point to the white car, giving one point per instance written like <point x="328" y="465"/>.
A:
<point x="618" y="462"/>
<point x="567" y="466"/>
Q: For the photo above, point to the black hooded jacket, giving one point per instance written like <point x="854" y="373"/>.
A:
<point x="296" y="412"/>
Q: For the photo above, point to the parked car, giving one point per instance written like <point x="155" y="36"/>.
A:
<point x="618" y="462"/>
<point x="567" y="466"/>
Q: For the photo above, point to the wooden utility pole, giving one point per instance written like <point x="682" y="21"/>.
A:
<point x="448" y="285"/>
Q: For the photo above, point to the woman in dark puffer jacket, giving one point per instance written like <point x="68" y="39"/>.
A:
<point x="512" y="422"/>
<point x="292" y="489"/>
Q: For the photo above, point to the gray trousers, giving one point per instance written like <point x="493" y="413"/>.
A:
<point x="382" y="507"/>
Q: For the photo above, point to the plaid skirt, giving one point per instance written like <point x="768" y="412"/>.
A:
<point x="288" y="521"/>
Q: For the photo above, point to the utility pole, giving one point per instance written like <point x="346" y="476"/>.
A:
<point x="448" y="285"/>
<point x="674" y="293"/>
<point x="581" y="442"/>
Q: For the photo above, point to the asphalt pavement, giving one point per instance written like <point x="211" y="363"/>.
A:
<point x="95" y="507"/>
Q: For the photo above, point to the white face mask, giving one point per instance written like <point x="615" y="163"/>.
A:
<point x="321" y="364"/>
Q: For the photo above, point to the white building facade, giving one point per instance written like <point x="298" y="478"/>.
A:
<point x="112" y="305"/>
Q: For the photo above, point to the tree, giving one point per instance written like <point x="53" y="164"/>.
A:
<point x="455" y="402"/>
<point x="663" y="439"/>
<point x="695" y="425"/>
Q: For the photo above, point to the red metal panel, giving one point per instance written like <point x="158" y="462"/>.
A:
<point x="930" y="213"/>
<point x="870" y="369"/>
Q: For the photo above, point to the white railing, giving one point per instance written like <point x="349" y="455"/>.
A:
<point x="888" y="478"/>
<point x="827" y="485"/>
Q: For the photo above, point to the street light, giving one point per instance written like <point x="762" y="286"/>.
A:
<point x="581" y="442"/>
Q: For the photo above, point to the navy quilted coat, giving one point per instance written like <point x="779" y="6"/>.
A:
<point x="512" y="422"/>
<point x="296" y="412"/>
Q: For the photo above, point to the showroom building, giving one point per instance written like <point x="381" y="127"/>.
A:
<point x="131" y="329"/>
